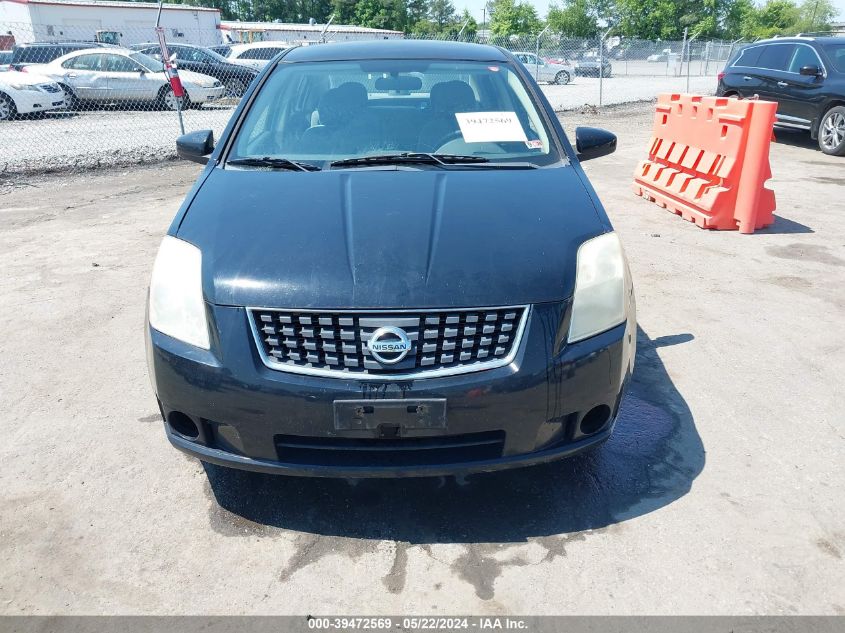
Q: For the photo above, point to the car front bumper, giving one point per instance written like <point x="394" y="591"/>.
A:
<point x="30" y="101"/>
<point x="244" y="415"/>
<point x="199" y="94"/>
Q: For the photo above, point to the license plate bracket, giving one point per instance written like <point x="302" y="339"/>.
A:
<point x="390" y="417"/>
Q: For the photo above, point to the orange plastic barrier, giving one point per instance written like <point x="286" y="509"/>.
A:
<point x="709" y="159"/>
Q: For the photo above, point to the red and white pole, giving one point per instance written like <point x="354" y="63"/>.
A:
<point x="170" y="69"/>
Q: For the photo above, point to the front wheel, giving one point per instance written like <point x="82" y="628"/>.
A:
<point x="832" y="132"/>
<point x="562" y="78"/>
<point x="7" y="108"/>
<point x="235" y="87"/>
<point x="71" y="100"/>
<point x="169" y="101"/>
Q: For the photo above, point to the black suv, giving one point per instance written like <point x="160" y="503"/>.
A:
<point x="804" y="75"/>
<point x="236" y="78"/>
<point x="44" y="52"/>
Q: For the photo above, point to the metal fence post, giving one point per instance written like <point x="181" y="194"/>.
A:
<point x="601" y="68"/>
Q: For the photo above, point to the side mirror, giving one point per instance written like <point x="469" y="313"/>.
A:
<point x="195" y="146"/>
<point x="811" y="71"/>
<point x="592" y="142"/>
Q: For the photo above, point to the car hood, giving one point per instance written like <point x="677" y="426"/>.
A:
<point x="255" y="64"/>
<point x="378" y="238"/>
<point x="24" y="79"/>
<point x="196" y="78"/>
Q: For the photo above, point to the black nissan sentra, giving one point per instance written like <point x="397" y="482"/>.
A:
<point x="392" y="265"/>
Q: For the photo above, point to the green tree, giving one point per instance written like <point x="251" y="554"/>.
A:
<point x="380" y="14"/>
<point x="815" y="15"/>
<point x="418" y="10"/>
<point x="577" y="18"/>
<point x="509" y="18"/>
<point x="739" y="18"/>
<point x="774" y="18"/>
<point x="442" y="13"/>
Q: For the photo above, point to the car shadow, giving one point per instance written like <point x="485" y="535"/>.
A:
<point x="650" y="461"/>
<point x="796" y="138"/>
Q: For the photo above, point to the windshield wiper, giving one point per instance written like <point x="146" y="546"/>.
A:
<point x="274" y="163"/>
<point x="410" y="158"/>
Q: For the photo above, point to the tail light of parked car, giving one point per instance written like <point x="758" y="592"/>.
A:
<point x="721" y="75"/>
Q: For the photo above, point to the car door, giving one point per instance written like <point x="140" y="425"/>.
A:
<point x="773" y="64"/>
<point x="534" y="66"/>
<point x="127" y="79"/>
<point x="744" y="76"/>
<point x="802" y="94"/>
<point x="84" y="76"/>
<point x="186" y="58"/>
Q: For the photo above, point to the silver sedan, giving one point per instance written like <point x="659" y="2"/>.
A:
<point x="542" y="70"/>
<point x="123" y="76"/>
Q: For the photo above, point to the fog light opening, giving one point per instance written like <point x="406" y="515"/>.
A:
<point x="183" y="425"/>
<point x="595" y="420"/>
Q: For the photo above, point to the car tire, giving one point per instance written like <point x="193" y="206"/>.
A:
<point x="832" y="132"/>
<point x="8" y="110"/>
<point x="168" y="101"/>
<point x="562" y="78"/>
<point x="71" y="100"/>
<point x="235" y="87"/>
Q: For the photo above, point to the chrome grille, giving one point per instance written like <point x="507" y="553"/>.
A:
<point x="334" y="343"/>
<point x="50" y="87"/>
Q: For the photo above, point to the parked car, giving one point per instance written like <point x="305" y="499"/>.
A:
<point x="661" y="57"/>
<point x="234" y="77"/>
<point x="119" y="75"/>
<point x="391" y="291"/>
<point x="5" y="60"/>
<point x="223" y="50"/>
<point x="805" y="76"/>
<point x="26" y="93"/>
<point x="257" y="54"/>
<point x="24" y="55"/>
<point x="589" y="66"/>
<point x="542" y="70"/>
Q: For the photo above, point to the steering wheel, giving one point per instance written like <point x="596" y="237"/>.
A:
<point x="448" y="138"/>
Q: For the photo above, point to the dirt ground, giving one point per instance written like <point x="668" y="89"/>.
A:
<point x="720" y="492"/>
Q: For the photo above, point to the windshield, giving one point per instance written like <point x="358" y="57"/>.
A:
<point x="329" y="111"/>
<point x="837" y="56"/>
<point x="151" y="64"/>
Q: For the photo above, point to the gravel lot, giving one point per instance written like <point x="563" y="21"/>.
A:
<point x="123" y="137"/>
<point x="720" y="492"/>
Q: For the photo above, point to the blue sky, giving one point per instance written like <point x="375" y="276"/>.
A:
<point x="476" y="7"/>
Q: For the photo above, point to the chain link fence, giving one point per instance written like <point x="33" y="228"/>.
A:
<point x="89" y="98"/>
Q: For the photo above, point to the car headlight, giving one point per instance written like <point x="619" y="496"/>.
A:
<point x="30" y="87"/>
<point x="216" y="84"/>
<point x="177" y="307"/>
<point x="600" y="281"/>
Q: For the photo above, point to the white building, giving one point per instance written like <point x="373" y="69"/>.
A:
<point x="126" y="22"/>
<point x="301" y="33"/>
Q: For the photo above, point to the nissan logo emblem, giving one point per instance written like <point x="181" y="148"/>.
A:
<point x="389" y="345"/>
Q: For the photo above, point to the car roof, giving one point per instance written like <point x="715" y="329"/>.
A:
<point x="96" y="51"/>
<point x="396" y="49"/>
<point x="829" y="39"/>
<point x="169" y="44"/>
<point x="65" y="43"/>
<point x="265" y="44"/>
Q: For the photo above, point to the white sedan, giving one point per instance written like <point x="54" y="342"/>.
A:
<point x="25" y="93"/>
<point x="115" y="75"/>
<point x="257" y="54"/>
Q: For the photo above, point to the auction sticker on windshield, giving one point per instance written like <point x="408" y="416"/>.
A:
<point x="490" y="127"/>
